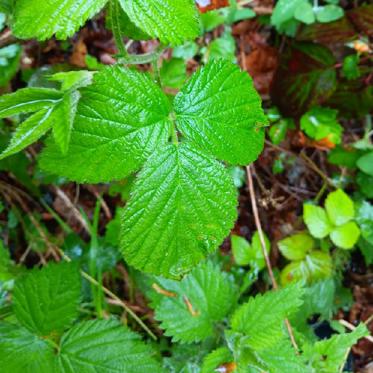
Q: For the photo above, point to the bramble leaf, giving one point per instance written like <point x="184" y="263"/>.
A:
<point x="171" y="21"/>
<point x="220" y="111"/>
<point x="316" y="220"/>
<point x="121" y="118"/>
<point x="104" y="346"/>
<point x="23" y="352"/>
<point x="200" y="300"/>
<point x="46" y="301"/>
<point x="261" y="318"/>
<point x="42" y="19"/>
<point x="216" y="359"/>
<point x="339" y="207"/>
<point x="174" y="216"/>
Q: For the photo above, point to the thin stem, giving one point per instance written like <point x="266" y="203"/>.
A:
<point x="111" y="295"/>
<point x="115" y="27"/>
<point x="173" y="130"/>
<point x="157" y="73"/>
<point x="140" y="59"/>
<point x="263" y="247"/>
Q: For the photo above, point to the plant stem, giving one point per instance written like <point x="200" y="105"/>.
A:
<point x="263" y="246"/>
<point x="115" y="27"/>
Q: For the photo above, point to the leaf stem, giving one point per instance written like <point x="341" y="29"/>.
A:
<point x="115" y="27"/>
<point x="263" y="247"/>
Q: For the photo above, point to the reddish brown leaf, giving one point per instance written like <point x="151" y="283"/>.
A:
<point x="206" y="5"/>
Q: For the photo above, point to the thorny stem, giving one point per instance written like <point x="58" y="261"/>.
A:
<point x="263" y="246"/>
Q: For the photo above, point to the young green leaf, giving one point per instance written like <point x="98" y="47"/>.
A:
<point x="345" y="236"/>
<point x="329" y="13"/>
<point x="365" y="163"/>
<point x="296" y="246"/>
<point x="121" y="118"/>
<point x="257" y="258"/>
<point x="316" y="220"/>
<point x="216" y="359"/>
<point x="174" y="216"/>
<point x="240" y="249"/>
<point x="173" y="22"/>
<point x="104" y="346"/>
<point x="304" y="13"/>
<point x="200" y="300"/>
<point x="41" y="20"/>
<point x="220" y="111"/>
<point x="46" y="301"/>
<point x="339" y="207"/>
<point x="328" y="355"/>
<point x="23" y="352"/>
<point x="262" y="317"/>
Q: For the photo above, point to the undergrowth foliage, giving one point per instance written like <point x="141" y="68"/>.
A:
<point x="117" y="122"/>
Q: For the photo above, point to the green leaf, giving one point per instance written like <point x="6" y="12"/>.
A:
<point x="320" y="122"/>
<point x="261" y="318"/>
<point x="317" y="265"/>
<point x="329" y="13"/>
<point x="296" y="246"/>
<point x="23" y="352"/>
<point x="29" y="131"/>
<point x="365" y="183"/>
<point x="257" y="258"/>
<point x="28" y="100"/>
<point x="284" y="12"/>
<point x="220" y="111"/>
<point x="365" y="163"/>
<point x="223" y="47"/>
<point x="215" y="359"/>
<point x="104" y="346"/>
<point x="201" y="299"/>
<point x="110" y="141"/>
<point x="364" y="217"/>
<point x="173" y="73"/>
<point x="173" y="22"/>
<point x="339" y="207"/>
<point x="346" y="235"/>
<point x="328" y="355"/>
<point x="65" y="116"/>
<point x="174" y="216"/>
<point x="10" y="57"/>
<point x="72" y="80"/>
<point x="277" y="131"/>
<point x="41" y="20"/>
<point x="46" y="301"/>
<point x="240" y="249"/>
<point x="350" y="67"/>
<point x="304" y="13"/>
<point x="316" y="220"/>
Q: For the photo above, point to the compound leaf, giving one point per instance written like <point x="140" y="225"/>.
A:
<point x="121" y="118"/>
<point x="220" y="111"/>
<point x="296" y="246"/>
<point x="171" y="21"/>
<point x="174" y="216"/>
<point x="23" y="352"/>
<point x="199" y="301"/>
<point x="42" y="19"/>
<point x="46" y="301"/>
<point x="104" y="346"/>
<point x="346" y="235"/>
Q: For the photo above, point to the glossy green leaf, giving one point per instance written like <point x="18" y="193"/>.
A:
<point x="296" y="246"/>
<point x="365" y="163"/>
<point x="111" y="140"/>
<point x="261" y="318"/>
<point x="256" y="254"/>
<point x="174" y="216"/>
<point x="173" y="73"/>
<point x="42" y="19"/>
<point x="28" y="100"/>
<point x="240" y="249"/>
<point x="346" y="235"/>
<point x="316" y="220"/>
<point x="104" y="346"/>
<point x="199" y="301"/>
<point x="46" y="301"/>
<point x="29" y="131"/>
<point x="23" y="352"/>
<point x="284" y="12"/>
<point x="173" y="22"/>
<point x="304" y="13"/>
<point x="339" y="207"/>
<point x="220" y="111"/>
